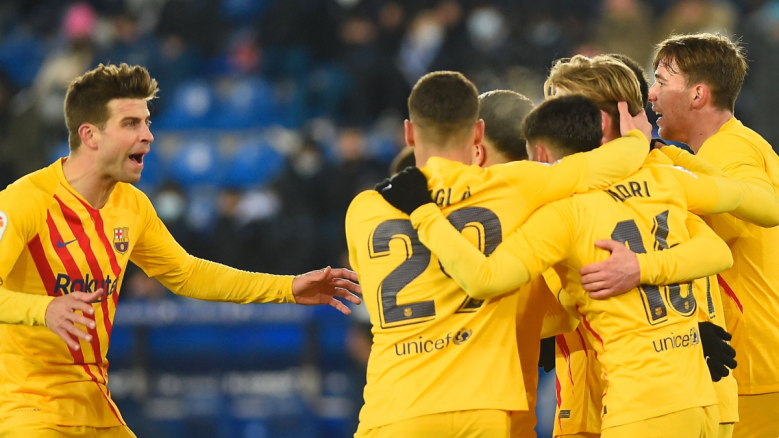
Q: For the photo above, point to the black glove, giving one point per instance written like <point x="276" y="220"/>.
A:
<point x="547" y="357"/>
<point x="406" y="191"/>
<point x="719" y="354"/>
<point x="656" y="143"/>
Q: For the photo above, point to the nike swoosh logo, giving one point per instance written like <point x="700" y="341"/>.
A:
<point x="61" y="244"/>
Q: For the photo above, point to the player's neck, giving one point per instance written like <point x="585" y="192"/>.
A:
<point x="459" y="154"/>
<point x="86" y="179"/>
<point x="705" y="125"/>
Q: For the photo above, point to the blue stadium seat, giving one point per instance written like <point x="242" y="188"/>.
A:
<point x="192" y="107"/>
<point x="332" y="329"/>
<point x="205" y="348"/>
<point x="59" y="151"/>
<point x="21" y="55"/>
<point x="244" y="10"/>
<point x="382" y="147"/>
<point x="255" y="164"/>
<point x="247" y="103"/>
<point x="120" y="354"/>
<point x="196" y="162"/>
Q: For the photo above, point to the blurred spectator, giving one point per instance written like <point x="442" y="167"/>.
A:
<point x="761" y="35"/>
<point x="355" y="173"/>
<point x="129" y="45"/>
<point x="625" y="28"/>
<point x="170" y="202"/>
<point x="198" y="22"/>
<point x="140" y="286"/>
<point x="241" y="236"/>
<point x="691" y="16"/>
<point x="421" y="46"/>
<point x="37" y="122"/>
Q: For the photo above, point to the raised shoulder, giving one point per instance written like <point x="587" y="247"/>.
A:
<point x="31" y="193"/>
<point x="367" y="204"/>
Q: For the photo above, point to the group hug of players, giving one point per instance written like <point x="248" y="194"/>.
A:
<point x="564" y="220"/>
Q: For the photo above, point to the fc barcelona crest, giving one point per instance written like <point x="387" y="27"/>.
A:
<point x="122" y="239"/>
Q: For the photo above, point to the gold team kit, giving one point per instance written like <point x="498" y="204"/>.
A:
<point x="750" y="289"/>
<point x="53" y="243"/>
<point x="644" y="338"/>
<point x="435" y="349"/>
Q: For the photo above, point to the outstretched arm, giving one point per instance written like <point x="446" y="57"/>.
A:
<point x="760" y="203"/>
<point x="160" y="256"/>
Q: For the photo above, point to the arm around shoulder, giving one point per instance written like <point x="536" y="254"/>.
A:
<point x="703" y="255"/>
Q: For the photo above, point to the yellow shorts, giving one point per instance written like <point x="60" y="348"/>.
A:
<point x="523" y="424"/>
<point x="482" y="423"/>
<point x="725" y="430"/>
<point x="43" y="430"/>
<point x="689" y="423"/>
<point x="579" y="435"/>
<point x="758" y="416"/>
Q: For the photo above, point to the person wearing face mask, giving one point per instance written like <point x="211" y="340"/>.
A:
<point x="67" y="233"/>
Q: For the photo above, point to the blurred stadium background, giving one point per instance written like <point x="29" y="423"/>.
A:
<point x="272" y="115"/>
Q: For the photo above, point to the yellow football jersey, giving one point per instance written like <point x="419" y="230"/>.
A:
<point x="643" y="339"/>
<point x="751" y="286"/>
<point x="579" y="385"/>
<point x="577" y="371"/>
<point x="434" y="348"/>
<point x="52" y="242"/>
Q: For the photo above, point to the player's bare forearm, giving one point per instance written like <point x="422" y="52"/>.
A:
<point x="323" y="286"/>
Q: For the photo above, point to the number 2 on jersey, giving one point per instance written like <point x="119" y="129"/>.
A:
<point x="417" y="260"/>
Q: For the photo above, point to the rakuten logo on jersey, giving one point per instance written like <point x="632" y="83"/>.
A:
<point x="675" y="341"/>
<point x="66" y="285"/>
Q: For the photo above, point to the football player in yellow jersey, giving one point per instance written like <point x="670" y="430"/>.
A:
<point x="595" y="79"/>
<point x="67" y="233"/>
<point x="503" y="112"/>
<point x="697" y="80"/>
<point x="578" y="384"/>
<point x="647" y="341"/>
<point x="429" y="336"/>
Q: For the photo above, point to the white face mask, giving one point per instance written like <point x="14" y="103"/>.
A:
<point x="427" y="36"/>
<point x="486" y="27"/>
<point x="307" y="163"/>
<point x="170" y="206"/>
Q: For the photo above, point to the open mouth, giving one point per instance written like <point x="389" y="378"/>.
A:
<point x="138" y="158"/>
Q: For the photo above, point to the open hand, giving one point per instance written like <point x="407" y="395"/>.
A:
<point x="62" y="315"/>
<point x="616" y="275"/>
<point x="322" y="286"/>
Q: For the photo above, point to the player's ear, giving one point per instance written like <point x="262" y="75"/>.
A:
<point x="543" y="154"/>
<point x="409" y="129"/>
<point x="700" y="95"/>
<point x="609" y="127"/>
<point x="604" y="121"/>
<point x="478" y="154"/>
<point x="89" y="135"/>
<point x="478" y="135"/>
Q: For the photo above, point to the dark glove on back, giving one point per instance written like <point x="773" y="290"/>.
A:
<point x="546" y="359"/>
<point x="719" y="354"/>
<point x="406" y="191"/>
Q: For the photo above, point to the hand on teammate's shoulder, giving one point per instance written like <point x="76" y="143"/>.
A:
<point x="405" y="191"/>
